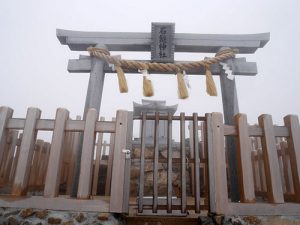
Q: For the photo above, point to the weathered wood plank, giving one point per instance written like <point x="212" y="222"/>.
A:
<point x="245" y="169"/>
<point x="16" y="158"/>
<point x="142" y="164"/>
<point x="256" y="131"/>
<point x="71" y="125"/>
<point x="183" y="163"/>
<point x="271" y="165"/>
<point x="56" y="154"/>
<point x="191" y="157"/>
<point x="218" y="193"/>
<point x="196" y="162"/>
<point x="125" y="41"/>
<point x="97" y="162"/>
<point x="26" y="151"/>
<point x="42" y="168"/>
<point x="169" y="165"/>
<point x="292" y="122"/>
<point x="287" y="167"/>
<point x="110" y="162"/>
<point x="75" y="145"/>
<point x="86" y="165"/>
<point x="155" y="163"/>
<point x="58" y="203"/>
<point x="11" y="152"/>
<point x="36" y="158"/>
<point x="263" y="209"/>
<point x="255" y="169"/>
<point x="127" y="174"/>
<point x="117" y="181"/>
<point x="5" y="114"/>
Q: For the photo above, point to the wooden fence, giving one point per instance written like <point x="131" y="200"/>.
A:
<point x="268" y="170"/>
<point x="42" y="172"/>
<point x="37" y="174"/>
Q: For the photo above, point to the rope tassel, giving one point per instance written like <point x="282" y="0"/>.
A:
<point x="182" y="89"/>
<point x="122" y="80"/>
<point x="147" y="84"/>
<point x="210" y="84"/>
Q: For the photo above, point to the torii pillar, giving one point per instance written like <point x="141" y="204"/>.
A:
<point x="203" y="43"/>
<point x="230" y="108"/>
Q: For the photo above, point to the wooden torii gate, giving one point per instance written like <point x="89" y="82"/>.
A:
<point x="202" y="43"/>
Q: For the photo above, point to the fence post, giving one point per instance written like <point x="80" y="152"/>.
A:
<point x="56" y="153"/>
<point x="86" y="164"/>
<point x="118" y="173"/>
<point x="245" y="170"/>
<point x="97" y="161"/>
<point x="292" y="122"/>
<point x="10" y="156"/>
<point x="5" y="115"/>
<point x="218" y="193"/>
<point x="271" y="164"/>
<point x="110" y="162"/>
<point x="75" y="144"/>
<point x="26" y="152"/>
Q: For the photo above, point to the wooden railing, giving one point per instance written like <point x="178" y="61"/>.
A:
<point x="31" y="167"/>
<point x="268" y="170"/>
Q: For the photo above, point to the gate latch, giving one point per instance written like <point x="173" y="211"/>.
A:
<point x="127" y="153"/>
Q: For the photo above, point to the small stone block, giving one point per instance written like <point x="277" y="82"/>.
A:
<point x="103" y="216"/>
<point x="26" y="213"/>
<point x="41" y="214"/>
<point x="80" y="217"/>
<point x="70" y="222"/>
<point x="53" y="220"/>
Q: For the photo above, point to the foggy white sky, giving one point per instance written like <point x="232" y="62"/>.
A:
<point x="33" y="64"/>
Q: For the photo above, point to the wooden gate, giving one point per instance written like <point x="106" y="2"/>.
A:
<point x="170" y="177"/>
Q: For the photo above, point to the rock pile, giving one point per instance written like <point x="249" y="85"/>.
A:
<point x="162" y="172"/>
<point x="13" y="216"/>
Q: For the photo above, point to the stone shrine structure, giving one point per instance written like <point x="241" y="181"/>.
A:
<point x="150" y="107"/>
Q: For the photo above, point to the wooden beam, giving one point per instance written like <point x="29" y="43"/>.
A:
<point x="127" y="169"/>
<point x="263" y="209"/>
<point x="125" y="41"/>
<point x="26" y="152"/>
<point x="5" y="114"/>
<point x="241" y="67"/>
<point x="97" y="162"/>
<point x="110" y="162"/>
<point x="71" y="125"/>
<point x="292" y="122"/>
<point x="11" y="152"/>
<point x="56" y="154"/>
<point x="86" y="165"/>
<point x="196" y="163"/>
<point x="58" y="203"/>
<point x="271" y="165"/>
<point x="117" y="180"/>
<point x="218" y="194"/>
<point x="245" y="170"/>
